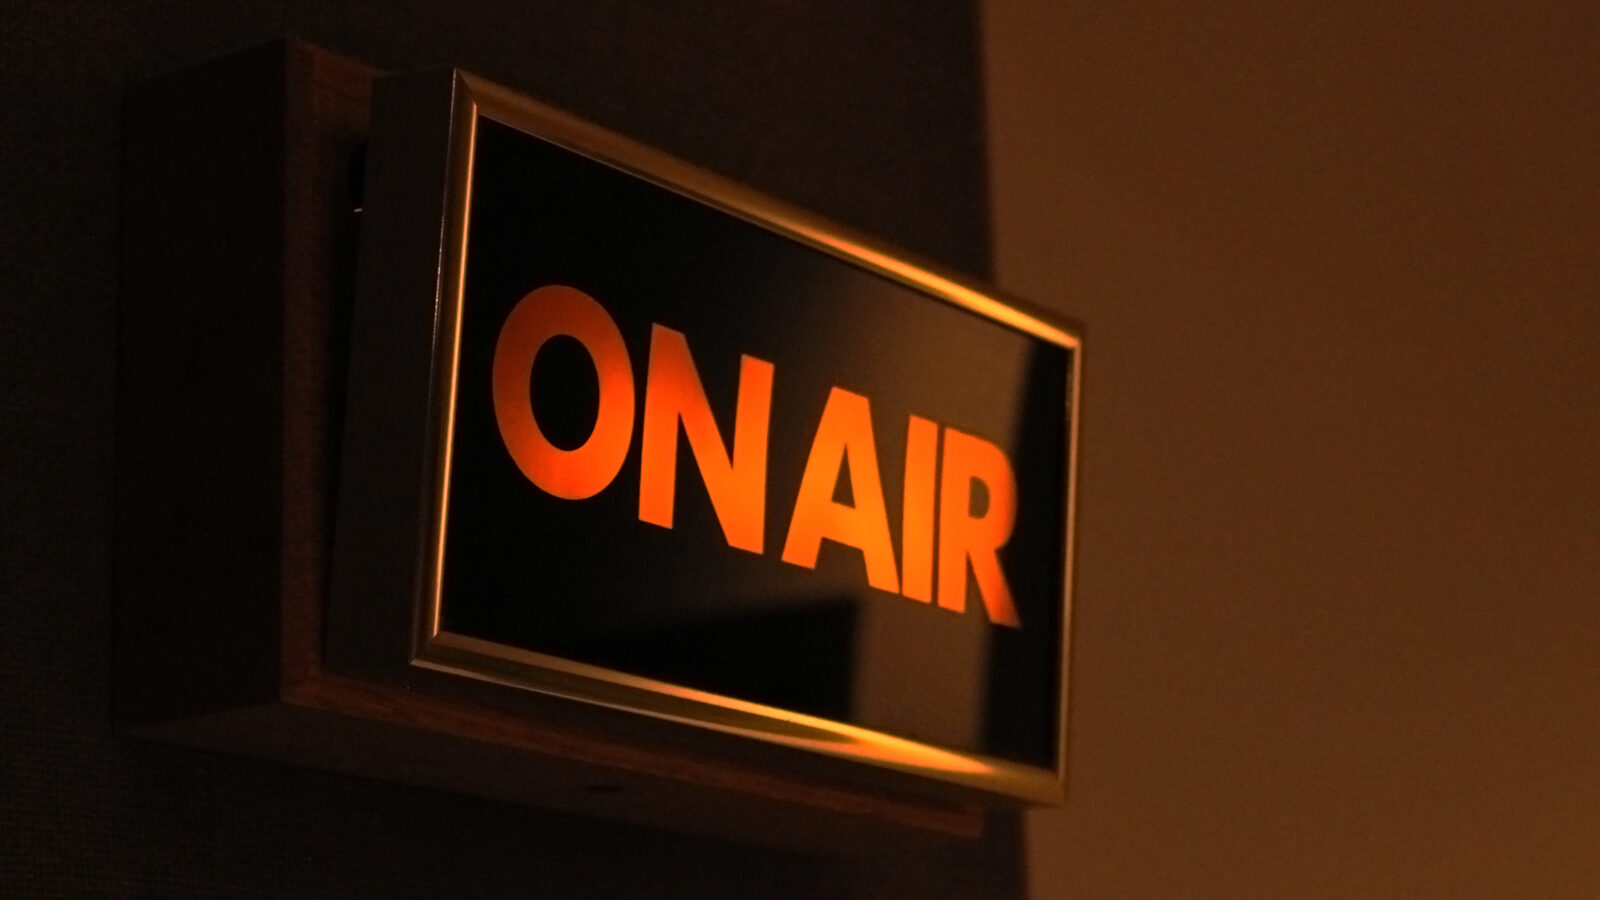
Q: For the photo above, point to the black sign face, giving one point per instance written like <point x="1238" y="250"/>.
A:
<point x="696" y="454"/>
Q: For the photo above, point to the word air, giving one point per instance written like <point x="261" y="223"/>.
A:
<point x="736" y="480"/>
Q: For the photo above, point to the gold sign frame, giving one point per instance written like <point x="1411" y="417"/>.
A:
<point x="384" y="616"/>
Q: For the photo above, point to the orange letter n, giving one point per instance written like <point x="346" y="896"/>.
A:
<point x="737" y="485"/>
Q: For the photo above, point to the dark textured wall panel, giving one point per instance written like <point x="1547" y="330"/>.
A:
<point x="868" y="113"/>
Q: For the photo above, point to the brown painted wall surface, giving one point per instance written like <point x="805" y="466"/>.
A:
<point x="1338" y="621"/>
<point x="868" y="113"/>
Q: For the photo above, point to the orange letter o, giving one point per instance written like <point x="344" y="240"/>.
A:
<point x="543" y="314"/>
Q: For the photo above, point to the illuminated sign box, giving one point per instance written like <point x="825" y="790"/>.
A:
<point x="626" y="434"/>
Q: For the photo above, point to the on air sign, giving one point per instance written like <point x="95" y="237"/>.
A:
<point x="843" y="447"/>
<point x="624" y="433"/>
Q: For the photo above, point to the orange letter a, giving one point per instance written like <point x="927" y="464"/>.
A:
<point x="845" y="432"/>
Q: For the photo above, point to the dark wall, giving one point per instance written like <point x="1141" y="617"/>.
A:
<point x="866" y="112"/>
